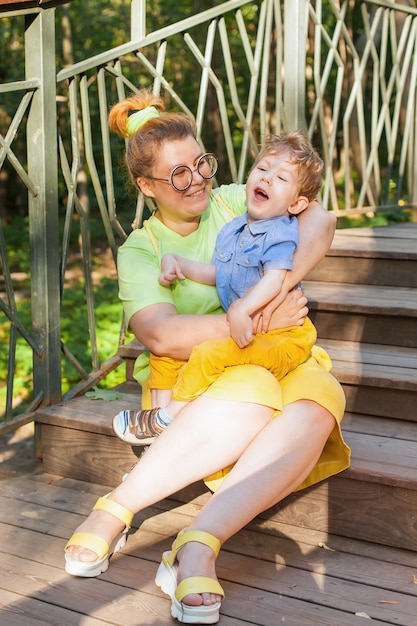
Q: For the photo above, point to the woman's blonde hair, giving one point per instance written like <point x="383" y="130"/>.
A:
<point x="144" y="144"/>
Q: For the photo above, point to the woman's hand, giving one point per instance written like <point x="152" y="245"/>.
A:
<point x="291" y="312"/>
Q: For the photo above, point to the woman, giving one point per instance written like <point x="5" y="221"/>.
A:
<point x="230" y="425"/>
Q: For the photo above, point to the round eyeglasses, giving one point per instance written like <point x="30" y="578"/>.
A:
<point x="181" y="176"/>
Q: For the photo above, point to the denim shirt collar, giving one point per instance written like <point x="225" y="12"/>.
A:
<point x="259" y="226"/>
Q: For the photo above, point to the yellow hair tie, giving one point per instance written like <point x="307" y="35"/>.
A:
<point x="139" y="118"/>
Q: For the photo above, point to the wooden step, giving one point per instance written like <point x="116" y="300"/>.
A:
<point x="130" y="352"/>
<point x="377" y="380"/>
<point x="367" y="313"/>
<point x="374" y="500"/>
<point x="371" y="256"/>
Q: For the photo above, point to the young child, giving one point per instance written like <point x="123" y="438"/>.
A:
<point x="252" y="256"/>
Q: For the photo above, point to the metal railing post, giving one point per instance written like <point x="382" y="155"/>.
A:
<point x="137" y="20"/>
<point x="295" y="40"/>
<point x="43" y="204"/>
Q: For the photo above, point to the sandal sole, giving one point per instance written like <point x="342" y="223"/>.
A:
<point x="166" y="579"/>
<point x="95" y="568"/>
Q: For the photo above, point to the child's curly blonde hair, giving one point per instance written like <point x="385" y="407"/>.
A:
<point x="301" y="153"/>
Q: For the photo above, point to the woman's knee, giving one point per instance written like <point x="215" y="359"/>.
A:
<point x="310" y="416"/>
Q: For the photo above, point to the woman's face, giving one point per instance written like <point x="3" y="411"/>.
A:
<point x="178" y="210"/>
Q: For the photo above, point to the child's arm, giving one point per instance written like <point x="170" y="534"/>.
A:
<point x="240" y="311"/>
<point x="174" y="266"/>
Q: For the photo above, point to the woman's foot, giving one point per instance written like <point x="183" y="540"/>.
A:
<point x="100" y="523"/>
<point x="187" y="574"/>
<point x="103" y="533"/>
<point x="196" y="559"/>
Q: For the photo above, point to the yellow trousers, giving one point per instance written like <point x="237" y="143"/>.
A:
<point x="280" y="351"/>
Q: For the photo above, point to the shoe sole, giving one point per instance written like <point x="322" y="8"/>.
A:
<point x="167" y="581"/>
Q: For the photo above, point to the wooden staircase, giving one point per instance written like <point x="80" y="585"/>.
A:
<point x="363" y="300"/>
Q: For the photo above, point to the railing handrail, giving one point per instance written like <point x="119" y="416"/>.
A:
<point x="149" y="39"/>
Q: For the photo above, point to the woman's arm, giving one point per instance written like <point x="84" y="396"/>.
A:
<point x="316" y="231"/>
<point x="166" y="333"/>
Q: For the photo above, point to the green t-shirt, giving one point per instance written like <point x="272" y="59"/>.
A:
<point x="138" y="261"/>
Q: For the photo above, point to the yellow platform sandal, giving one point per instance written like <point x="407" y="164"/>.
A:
<point x="97" y="544"/>
<point x="166" y="579"/>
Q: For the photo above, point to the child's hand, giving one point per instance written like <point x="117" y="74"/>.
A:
<point x="241" y="325"/>
<point x="171" y="270"/>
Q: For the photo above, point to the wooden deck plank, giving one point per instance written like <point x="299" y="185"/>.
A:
<point x="83" y="411"/>
<point x="398" y="429"/>
<point x="390" y="366"/>
<point x="373" y="256"/>
<point x="373" y="353"/>
<point x="69" y="452"/>
<point x="362" y="298"/>
<point x="260" y="582"/>
<point x="366" y="268"/>
<point x="34" y="507"/>
<point x="396" y="240"/>
<point x="397" y="458"/>
<point x="113" y="604"/>
<point x="362" y="246"/>
<point x="310" y="584"/>
<point x="19" y="610"/>
<point x="297" y="568"/>
<point x="76" y="502"/>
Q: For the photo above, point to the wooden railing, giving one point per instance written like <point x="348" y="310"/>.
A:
<point x="345" y="74"/>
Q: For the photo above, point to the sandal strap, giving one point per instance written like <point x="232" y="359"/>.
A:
<point x="198" y="584"/>
<point x="89" y="541"/>
<point x="185" y="536"/>
<point x="116" y="509"/>
<point x="142" y="423"/>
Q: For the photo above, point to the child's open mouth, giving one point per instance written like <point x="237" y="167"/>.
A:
<point x="260" y="194"/>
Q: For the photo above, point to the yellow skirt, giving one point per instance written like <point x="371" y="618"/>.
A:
<point x="309" y="381"/>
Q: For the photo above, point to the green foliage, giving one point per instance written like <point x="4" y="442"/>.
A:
<point x="103" y="394"/>
<point x="382" y="218"/>
<point x="74" y="329"/>
<point x="16" y="235"/>
<point x="74" y="335"/>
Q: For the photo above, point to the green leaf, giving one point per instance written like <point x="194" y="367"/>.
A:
<point x="103" y="394"/>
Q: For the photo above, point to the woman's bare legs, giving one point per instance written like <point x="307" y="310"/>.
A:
<point x="207" y="435"/>
<point x="272" y="459"/>
<point x="273" y="465"/>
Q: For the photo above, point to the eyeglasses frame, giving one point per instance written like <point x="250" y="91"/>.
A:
<point x="196" y="169"/>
